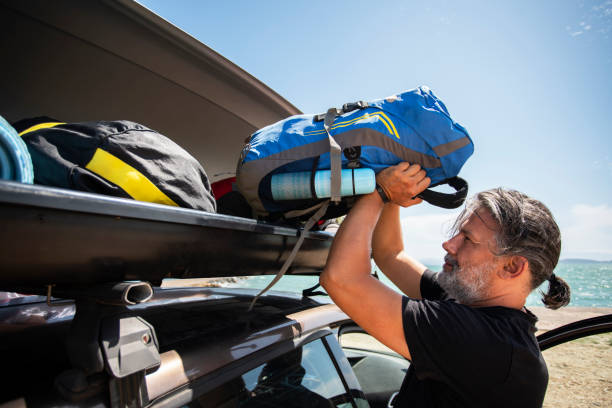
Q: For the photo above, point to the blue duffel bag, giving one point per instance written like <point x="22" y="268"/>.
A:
<point x="412" y="126"/>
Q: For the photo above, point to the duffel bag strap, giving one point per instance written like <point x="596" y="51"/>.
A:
<point x="447" y="200"/>
<point x="346" y="108"/>
<point x="309" y="224"/>
<point x="335" y="152"/>
<point x="351" y="106"/>
<point x="335" y="156"/>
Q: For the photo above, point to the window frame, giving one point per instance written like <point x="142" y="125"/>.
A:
<point x="190" y="391"/>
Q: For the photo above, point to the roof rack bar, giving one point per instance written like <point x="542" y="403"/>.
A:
<point x="105" y="337"/>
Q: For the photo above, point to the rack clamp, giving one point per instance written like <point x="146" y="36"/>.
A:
<point x="106" y="338"/>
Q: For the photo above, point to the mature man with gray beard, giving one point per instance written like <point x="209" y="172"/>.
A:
<point x="466" y="330"/>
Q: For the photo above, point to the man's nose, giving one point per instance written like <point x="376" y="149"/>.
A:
<point x="451" y="245"/>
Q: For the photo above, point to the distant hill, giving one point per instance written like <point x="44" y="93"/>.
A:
<point x="582" y="261"/>
<point x="438" y="262"/>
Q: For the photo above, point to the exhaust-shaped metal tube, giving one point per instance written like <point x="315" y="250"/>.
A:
<point x="117" y="293"/>
<point x="129" y="293"/>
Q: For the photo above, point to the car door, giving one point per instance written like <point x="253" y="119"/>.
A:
<point x="578" y="356"/>
<point x="579" y="360"/>
<point x="379" y="370"/>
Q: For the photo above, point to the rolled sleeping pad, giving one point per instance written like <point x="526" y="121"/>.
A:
<point x="15" y="160"/>
<point x="300" y="185"/>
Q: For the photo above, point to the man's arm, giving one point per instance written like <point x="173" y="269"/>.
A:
<point x="388" y="253"/>
<point x="370" y="303"/>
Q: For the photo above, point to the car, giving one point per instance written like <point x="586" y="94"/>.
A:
<point x="87" y="316"/>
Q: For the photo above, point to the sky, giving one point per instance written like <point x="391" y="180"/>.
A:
<point x="531" y="81"/>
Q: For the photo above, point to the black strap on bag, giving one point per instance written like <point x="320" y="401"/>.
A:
<point x="447" y="200"/>
<point x="346" y="108"/>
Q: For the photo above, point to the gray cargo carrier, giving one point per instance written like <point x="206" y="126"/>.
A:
<point x="60" y="237"/>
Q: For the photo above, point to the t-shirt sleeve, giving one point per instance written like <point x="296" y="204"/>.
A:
<point x="453" y="343"/>
<point x="430" y="289"/>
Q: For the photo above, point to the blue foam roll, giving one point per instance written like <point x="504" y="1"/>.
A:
<point x="296" y="186"/>
<point x="15" y="160"/>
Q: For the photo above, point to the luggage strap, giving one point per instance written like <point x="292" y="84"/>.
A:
<point x="335" y="152"/>
<point x="447" y="200"/>
<point x="335" y="155"/>
<point x="309" y="224"/>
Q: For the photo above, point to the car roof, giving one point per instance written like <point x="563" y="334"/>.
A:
<point x="200" y="331"/>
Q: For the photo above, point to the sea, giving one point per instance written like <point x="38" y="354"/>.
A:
<point x="590" y="283"/>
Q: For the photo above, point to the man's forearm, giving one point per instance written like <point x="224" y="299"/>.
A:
<point x="351" y="249"/>
<point x="387" y="239"/>
<point x="388" y="253"/>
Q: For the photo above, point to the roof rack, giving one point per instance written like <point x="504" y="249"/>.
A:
<point x="108" y="345"/>
<point x="52" y="236"/>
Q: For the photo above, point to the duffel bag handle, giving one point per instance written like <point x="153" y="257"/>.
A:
<point x="447" y="200"/>
<point x="346" y="108"/>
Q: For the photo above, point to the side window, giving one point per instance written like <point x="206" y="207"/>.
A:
<point x="304" y="377"/>
<point x="580" y="373"/>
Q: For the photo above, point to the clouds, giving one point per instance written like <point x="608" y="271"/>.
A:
<point x="604" y="9"/>
<point x="588" y="233"/>
<point x="597" y="17"/>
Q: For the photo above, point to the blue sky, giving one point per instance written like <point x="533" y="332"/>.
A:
<point x="530" y="80"/>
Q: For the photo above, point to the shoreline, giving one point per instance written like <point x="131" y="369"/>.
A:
<point x="549" y="319"/>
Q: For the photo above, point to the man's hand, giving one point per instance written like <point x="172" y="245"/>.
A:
<point x="403" y="182"/>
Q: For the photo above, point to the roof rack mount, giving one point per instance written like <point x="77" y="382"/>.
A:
<point x="105" y="337"/>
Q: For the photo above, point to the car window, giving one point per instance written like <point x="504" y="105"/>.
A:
<point x="304" y="377"/>
<point x="580" y="373"/>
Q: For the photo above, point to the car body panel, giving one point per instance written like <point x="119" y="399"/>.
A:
<point x="202" y="333"/>
<point x="181" y="366"/>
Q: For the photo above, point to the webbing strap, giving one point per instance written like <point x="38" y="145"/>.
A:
<point x="335" y="156"/>
<point x="447" y="200"/>
<point x="299" y="213"/>
<point x="309" y="224"/>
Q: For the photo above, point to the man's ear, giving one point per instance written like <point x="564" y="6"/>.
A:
<point x="514" y="267"/>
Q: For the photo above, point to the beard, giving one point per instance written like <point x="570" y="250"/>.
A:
<point x="467" y="284"/>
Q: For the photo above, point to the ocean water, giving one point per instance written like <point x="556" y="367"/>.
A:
<point x="590" y="283"/>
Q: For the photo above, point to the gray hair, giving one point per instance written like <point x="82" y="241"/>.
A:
<point x="528" y="229"/>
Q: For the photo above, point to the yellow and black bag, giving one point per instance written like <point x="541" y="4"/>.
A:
<point x="118" y="158"/>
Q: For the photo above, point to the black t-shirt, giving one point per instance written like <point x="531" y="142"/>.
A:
<point x="469" y="357"/>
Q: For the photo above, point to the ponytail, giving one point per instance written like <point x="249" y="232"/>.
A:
<point x="558" y="293"/>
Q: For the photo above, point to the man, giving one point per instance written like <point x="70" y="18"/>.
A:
<point x="466" y="331"/>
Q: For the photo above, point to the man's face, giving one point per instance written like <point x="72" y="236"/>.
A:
<point x="470" y="265"/>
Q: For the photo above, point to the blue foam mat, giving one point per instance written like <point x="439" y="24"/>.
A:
<point x="15" y="160"/>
